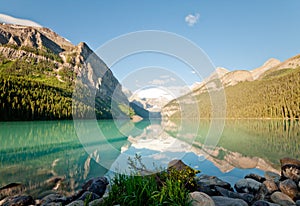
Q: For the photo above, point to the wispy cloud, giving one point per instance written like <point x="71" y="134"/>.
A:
<point x="192" y="19"/>
<point x="12" y="20"/>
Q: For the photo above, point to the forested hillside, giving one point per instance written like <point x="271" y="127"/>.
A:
<point x="276" y="95"/>
<point x="39" y="71"/>
<point x="30" y="91"/>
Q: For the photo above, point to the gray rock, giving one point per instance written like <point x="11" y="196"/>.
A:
<point x="96" y="185"/>
<point x="76" y="203"/>
<point x="247" y="186"/>
<point x="255" y="177"/>
<point x="54" y="204"/>
<point x="244" y="196"/>
<point x="226" y="201"/>
<point x="52" y="198"/>
<point x="89" y="196"/>
<point x="19" y="201"/>
<point x="272" y="176"/>
<point x="271" y="186"/>
<point x="207" y="184"/>
<point x="200" y="199"/>
<point x="264" y="203"/>
<point x="289" y="188"/>
<point x="282" y="199"/>
<point x="262" y="193"/>
<point x="290" y="168"/>
<point x="96" y="202"/>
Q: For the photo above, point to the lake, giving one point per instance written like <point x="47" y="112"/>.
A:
<point x="38" y="154"/>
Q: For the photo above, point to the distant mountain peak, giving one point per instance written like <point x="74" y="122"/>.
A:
<point x="269" y="64"/>
<point x="33" y="37"/>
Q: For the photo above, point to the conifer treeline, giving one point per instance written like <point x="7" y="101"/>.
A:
<point x="28" y="100"/>
<point x="30" y="90"/>
<point x="277" y="95"/>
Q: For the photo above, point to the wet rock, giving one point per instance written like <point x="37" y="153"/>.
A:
<point x="88" y="196"/>
<point x="247" y="186"/>
<point x="244" y="196"/>
<point x="264" y="203"/>
<point x="272" y="176"/>
<point x="19" y="201"/>
<point x="271" y="186"/>
<point x="255" y="177"/>
<point x="290" y="168"/>
<point x="96" y="202"/>
<point x="52" y="198"/>
<point x="207" y="184"/>
<point x="282" y="199"/>
<point x="226" y="201"/>
<point x="289" y="188"/>
<point x="96" y="185"/>
<point x="53" y="204"/>
<point x="76" y="203"/>
<point x="200" y="199"/>
<point x="262" y="193"/>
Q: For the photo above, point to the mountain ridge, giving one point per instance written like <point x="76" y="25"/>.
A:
<point x="40" y="57"/>
<point x="274" y="93"/>
<point x="231" y="78"/>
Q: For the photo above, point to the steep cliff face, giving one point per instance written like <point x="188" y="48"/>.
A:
<point x="40" y="55"/>
<point x="34" y="37"/>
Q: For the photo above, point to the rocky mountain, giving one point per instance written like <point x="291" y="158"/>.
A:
<point x="271" y="63"/>
<point x="231" y="78"/>
<point x="270" y="91"/>
<point x="54" y="74"/>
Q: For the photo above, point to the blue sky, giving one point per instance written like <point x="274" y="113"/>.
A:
<point x="235" y="34"/>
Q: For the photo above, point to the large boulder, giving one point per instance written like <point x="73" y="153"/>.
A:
<point x="200" y="199"/>
<point x="289" y="188"/>
<point x="262" y="193"/>
<point x="255" y="177"/>
<point x="77" y="203"/>
<point x="247" y="186"/>
<point x="290" y="168"/>
<point x="282" y="199"/>
<point x="55" y="198"/>
<point x="226" y="201"/>
<point x="272" y="176"/>
<point x="97" y="202"/>
<point x="271" y="186"/>
<point x="264" y="203"/>
<point x="96" y="185"/>
<point x="88" y="196"/>
<point x="207" y="184"/>
<point x="243" y="196"/>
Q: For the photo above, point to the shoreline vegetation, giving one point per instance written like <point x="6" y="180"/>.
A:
<point x="177" y="185"/>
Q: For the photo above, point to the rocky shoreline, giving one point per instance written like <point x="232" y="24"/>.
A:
<point x="270" y="190"/>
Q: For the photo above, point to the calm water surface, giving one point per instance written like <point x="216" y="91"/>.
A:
<point x="35" y="153"/>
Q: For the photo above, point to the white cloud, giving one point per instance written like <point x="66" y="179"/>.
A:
<point x="155" y="93"/>
<point x="158" y="82"/>
<point x="191" y="19"/>
<point x="12" y="20"/>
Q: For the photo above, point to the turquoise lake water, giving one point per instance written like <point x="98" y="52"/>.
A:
<point x="33" y="153"/>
